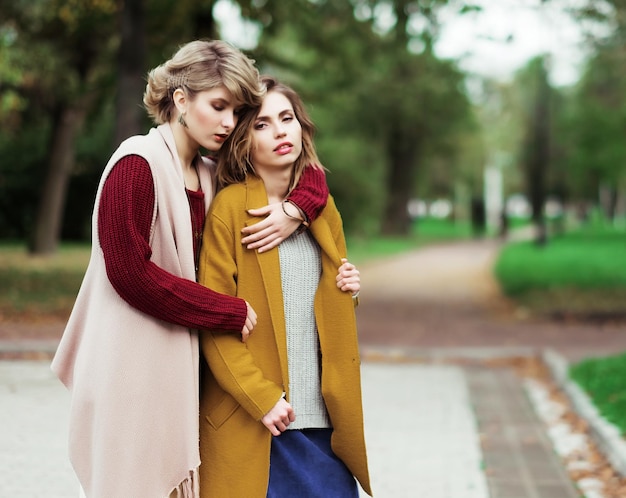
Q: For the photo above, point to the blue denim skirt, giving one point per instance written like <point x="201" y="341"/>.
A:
<point x="303" y="464"/>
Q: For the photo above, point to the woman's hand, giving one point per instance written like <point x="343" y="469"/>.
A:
<point x="348" y="277"/>
<point x="278" y="418"/>
<point x="250" y="323"/>
<point x="275" y="228"/>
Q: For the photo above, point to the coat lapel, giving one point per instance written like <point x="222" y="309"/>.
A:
<point x="324" y="237"/>
<point x="269" y="264"/>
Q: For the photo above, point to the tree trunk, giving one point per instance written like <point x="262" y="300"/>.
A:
<point x="131" y="62"/>
<point x="539" y="158"/>
<point x="402" y="150"/>
<point x="204" y="25"/>
<point x="67" y="122"/>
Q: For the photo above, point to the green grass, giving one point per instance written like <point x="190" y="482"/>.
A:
<point x="36" y="286"/>
<point x="579" y="272"/>
<point x="433" y="229"/>
<point x="604" y="380"/>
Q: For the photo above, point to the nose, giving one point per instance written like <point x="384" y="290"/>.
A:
<point x="229" y="120"/>
<point x="279" y="131"/>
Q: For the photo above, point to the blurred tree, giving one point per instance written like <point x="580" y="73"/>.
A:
<point x="72" y="74"/>
<point x="56" y="47"/>
<point x="595" y="122"/>
<point x="131" y="62"/>
<point x="597" y="127"/>
<point x="536" y="142"/>
<point x="369" y="70"/>
<point x="62" y="64"/>
<point x="172" y="24"/>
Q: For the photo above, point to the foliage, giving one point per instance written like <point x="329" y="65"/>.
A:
<point x="604" y="380"/>
<point x="592" y="124"/>
<point x="580" y="273"/>
<point x="584" y="258"/>
<point x="20" y="179"/>
<point x="390" y="114"/>
<point x="596" y="123"/>
<point x="394" y="122"/>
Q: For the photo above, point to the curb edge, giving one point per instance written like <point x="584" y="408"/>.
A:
<point x="603" y="432"/>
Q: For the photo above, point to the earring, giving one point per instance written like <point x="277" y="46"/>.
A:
<point x="181" y="120"/>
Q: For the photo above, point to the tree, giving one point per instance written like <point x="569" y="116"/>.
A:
<point x="131" y="62"/>
<point x="57" y="49"/>
<point x="596" y="128"/>
<point x="376" y="85"/>
<point x="536" y="144"/>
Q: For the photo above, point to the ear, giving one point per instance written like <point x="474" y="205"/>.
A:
<point x="180" y="100"/>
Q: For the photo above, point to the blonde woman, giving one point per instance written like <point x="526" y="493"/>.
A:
<point x="129" y="354"/>
<point x="281" y="414"/>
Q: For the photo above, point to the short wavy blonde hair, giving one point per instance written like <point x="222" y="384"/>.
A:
<point x="198" y="66"/>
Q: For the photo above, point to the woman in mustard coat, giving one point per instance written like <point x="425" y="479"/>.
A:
<point x="281" y="414"/>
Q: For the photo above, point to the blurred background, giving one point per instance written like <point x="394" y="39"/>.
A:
<point x="436" y="120"/>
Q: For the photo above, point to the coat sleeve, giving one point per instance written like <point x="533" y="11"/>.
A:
<point x="231" y="362"/>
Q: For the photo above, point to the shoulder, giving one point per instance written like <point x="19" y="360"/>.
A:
<point x="331" y="212"/>
<point x="232" y="192"/>
<point x="145" y="146"/>
<point x="230" y="200"/>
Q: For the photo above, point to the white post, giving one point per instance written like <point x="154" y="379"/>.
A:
<point x="493" y="195"/>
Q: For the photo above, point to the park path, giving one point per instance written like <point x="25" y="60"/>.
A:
<point x="443" y="298"/>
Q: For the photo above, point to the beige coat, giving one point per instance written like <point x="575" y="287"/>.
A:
<point x="133" y="378"/>
<point x="246" y="380"/>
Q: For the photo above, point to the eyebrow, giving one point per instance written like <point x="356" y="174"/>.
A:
<point x="280" y="114"/>
<point x="221" y="100"/>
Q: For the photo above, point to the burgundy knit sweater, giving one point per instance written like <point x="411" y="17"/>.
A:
<point x="124" y="220"/>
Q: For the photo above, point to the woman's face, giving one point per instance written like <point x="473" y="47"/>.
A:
<point x="277" y="134"/>
<point x="211" y="117"/>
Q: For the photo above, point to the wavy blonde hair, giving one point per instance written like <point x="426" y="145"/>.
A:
<point x="198" y="66"/>
<point x="235" y="161"/>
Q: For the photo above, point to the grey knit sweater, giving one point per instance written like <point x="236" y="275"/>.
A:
<point x="300" y="269"/>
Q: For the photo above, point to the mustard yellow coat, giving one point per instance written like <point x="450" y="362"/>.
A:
<point x="246" y="380"/>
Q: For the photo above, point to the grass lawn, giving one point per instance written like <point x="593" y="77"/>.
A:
<point x="35" y="287"/>
<point x="604" y="380"/>
<point x="581" y="272"/>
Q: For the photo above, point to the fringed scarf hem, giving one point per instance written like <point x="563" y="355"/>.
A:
<point x="189" y="488"/>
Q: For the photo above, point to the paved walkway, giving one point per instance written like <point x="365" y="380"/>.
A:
<point x="33" y="445"/>
<point x="425" y="425"/>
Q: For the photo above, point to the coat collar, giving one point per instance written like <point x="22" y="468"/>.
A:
<point x="256" y="196"/>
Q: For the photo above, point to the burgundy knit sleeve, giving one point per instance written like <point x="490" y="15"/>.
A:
<point x="124" y="220"/>
<point x="311" y="193"/>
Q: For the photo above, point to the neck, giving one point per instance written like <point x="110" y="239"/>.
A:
<point x="186" y="147"/>
<point x="276" y="183"/>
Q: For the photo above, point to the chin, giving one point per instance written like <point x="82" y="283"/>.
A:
<point x="212" y="145"/>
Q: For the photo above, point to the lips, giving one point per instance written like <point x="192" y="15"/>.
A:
<point x="221" y="138"/>
<point x="284" y="148"/>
